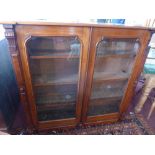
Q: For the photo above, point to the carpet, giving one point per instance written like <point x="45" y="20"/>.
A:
<point x="130" y="125"/>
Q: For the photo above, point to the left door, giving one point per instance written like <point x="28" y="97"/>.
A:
<point x="53" y="60"/>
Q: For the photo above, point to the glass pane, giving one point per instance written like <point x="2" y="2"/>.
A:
<point x="113" y="65"/>
<point x="54" y="65"/>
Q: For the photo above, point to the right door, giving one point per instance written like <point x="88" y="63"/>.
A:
<point x="113" y="55"/>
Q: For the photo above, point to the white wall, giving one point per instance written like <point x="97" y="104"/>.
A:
<point x="75" y="9"/>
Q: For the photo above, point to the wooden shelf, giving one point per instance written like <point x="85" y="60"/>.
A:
<point x="53" y="54"/>
<point x="63" y="55"/>
<point x="73" y="79"/>
<point x="101" y="95"/>
<point x="96" y="101"/>
<point x="102" y="77"/>
<point x="47" y="51"/>
<point x="66" y="105"/>
<point x="55" y="57"/>
<point x="126" y="55"/>
<point x="45" y="107"/>
<point x="56" y="98"/>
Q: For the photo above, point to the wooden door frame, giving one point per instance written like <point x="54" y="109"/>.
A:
<point x="97" y="35"/>
<point x="24" y="33"/>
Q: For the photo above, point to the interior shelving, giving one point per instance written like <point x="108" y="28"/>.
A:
<point x="55" y="63"/>
<point x="73" y="79"/>
<point x="54" y="54"/>
<point x="49" y="80"/>
<point x="56" y="98"/>
<point x="113" y="65"/>
<point x="63" y="55"/>
<point x="104" y="107"/>
<point x="65" y="105"/>
<point x="56" y="113"/>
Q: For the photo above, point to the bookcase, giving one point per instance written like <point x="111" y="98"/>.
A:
<point x="70" y="74"/>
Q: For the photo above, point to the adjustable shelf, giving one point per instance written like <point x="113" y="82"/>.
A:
<point x="102" y="77"/>
<point x="125" y="55"/>
<point x="56" y="98"/>
<point x="67" y="56"/>
<point x="45" y="107"/>
<point x="105" y="95"/>
<point x="48" y="54"/>
<point x="73" y="79"/>
<point x="54" y="56"/>
<point x="106" y="100"/>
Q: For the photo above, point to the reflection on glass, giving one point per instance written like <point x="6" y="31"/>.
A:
<point x="54" y="65"/>
<point x="113" y="65"/>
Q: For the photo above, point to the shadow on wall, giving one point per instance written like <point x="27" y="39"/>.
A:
<point x="9" y="99"/>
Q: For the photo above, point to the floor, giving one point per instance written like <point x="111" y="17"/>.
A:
<point x="129" y="125"/>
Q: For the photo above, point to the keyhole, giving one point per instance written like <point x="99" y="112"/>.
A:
<point x="124" y="71"/>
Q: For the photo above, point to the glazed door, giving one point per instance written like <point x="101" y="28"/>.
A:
<point x="115" y="61"/>
<point x="52" y="59"/>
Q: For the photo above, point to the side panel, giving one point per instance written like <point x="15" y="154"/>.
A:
<point x="14" y="52"/>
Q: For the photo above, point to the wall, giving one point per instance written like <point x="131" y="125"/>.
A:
<point x="9" y="100"/>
